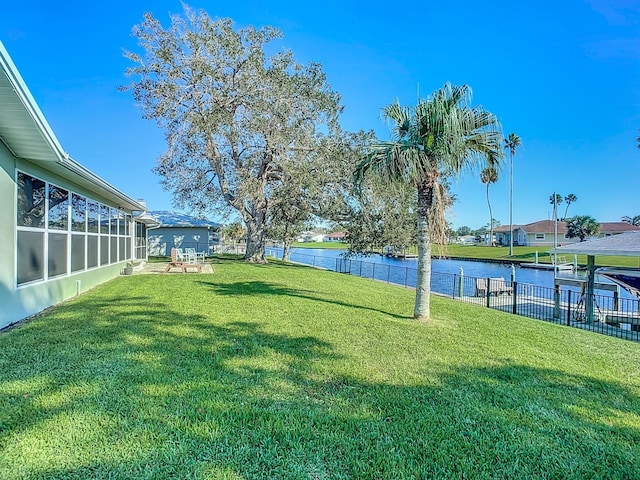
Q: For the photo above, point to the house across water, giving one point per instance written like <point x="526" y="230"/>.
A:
<point x="541" y="234"/>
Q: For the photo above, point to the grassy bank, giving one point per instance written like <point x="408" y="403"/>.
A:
<point x="527" y="254"/>
<point x="330" y="245"/>
<point x="520" y="254"/>
<point x="287" y="372"/>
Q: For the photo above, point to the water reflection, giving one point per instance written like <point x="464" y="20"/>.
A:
<point x="405" y="271"/>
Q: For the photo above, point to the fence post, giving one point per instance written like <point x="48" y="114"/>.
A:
<point x="556" y="301"/>
<point x="568" y="308"/>
<point x="616" y="299"/>
<point x="461" y="283"/>
<point x="514" y="286"/>
<point x="488" y="292"/>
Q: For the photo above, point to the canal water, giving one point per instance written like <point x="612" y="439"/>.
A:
<point x="403" y="271"/>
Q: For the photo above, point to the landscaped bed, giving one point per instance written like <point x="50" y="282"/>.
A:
<point x="287" y="372"/>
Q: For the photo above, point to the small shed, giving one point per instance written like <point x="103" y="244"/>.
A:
<point x="180" y="230"/>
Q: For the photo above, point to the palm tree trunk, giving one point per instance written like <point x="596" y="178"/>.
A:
<point x="422" y="309"/>
<point x="511" y="151"/>
<point x="490" y="218"/>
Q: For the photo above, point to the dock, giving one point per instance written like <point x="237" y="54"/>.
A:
<point x="548" y="266"/>
<point x="610" y="322"/>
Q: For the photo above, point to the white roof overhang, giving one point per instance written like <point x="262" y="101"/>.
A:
<point x="622" y="245"/>
<point x="27" y="134"/>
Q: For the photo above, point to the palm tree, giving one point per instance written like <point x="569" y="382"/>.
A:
<point x="511" y="142"/>
<point x="632" y="220"/>
<point x="569" y="199"/>
<point x="440" y="137"/>
<point x="555" y="199"/>
<point x="488" y="176"/>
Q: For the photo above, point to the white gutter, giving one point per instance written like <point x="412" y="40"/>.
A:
<point x="73" y="166"/>
<point x="59" y="155"/>
<point x="29" y="103"/>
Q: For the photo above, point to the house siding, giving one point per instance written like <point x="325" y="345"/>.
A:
<point x="18" y="302"/>
<point x="162" y="239"/>
<point x="8" y="305"/>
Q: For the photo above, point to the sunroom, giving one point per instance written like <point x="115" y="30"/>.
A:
<point x="63" y="229"/>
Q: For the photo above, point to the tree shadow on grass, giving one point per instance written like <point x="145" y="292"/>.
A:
<point x="257" y="287"/>
<point x="128" y="388"/>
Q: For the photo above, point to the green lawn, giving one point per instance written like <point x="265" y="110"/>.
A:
<point x="288" y="372"/>
<point x="527" y="254"/>
<point x="329" y="245"/>
<point x="520" y="254"/>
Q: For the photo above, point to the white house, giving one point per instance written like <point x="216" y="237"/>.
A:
<point x="542" y="233"/>
<point x="63" y="230"/>
<point x="336" y="237"/>
<point x="310" y="236"/>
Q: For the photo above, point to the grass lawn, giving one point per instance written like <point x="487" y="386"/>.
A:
<point x="328" y="245"/>
<point x="527" y="254"/>
<point x="288" y="372"/>
<point x="520" y="254"/>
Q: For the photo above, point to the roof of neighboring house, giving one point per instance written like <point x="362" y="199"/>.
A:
<point x="547" y="226"/>
<point x="625" y="245"/>
<point x="606" y="227"/>
<point x="27" y="134"/>
<point x="176" y="219"/>
<point x="337" y="235"/>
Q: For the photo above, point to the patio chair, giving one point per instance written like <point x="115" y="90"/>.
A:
<point x="498" y="286"/>
<point x="191" y="252"/>
<point x="184" y="257"/>
<point x="180" y="263"/>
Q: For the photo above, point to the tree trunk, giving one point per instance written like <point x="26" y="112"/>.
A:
<point x="490" y="219"/>
<point x="422" y="309"/>
<point x="254" y="252"/>
<point x="286" y="250"/>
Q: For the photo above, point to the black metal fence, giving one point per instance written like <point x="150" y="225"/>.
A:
<point x="607" y="314"/>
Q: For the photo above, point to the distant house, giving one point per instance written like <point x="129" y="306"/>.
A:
<point x="310" y="236"/>
<point x="542" y="233"/>
<point x="466" y="239"/>
<point x="182" y="231"/>
<point x="336" y="237"/>
<point x="63" y="229"/>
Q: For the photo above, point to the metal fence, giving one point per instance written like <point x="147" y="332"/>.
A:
<point x="607" y="314"/>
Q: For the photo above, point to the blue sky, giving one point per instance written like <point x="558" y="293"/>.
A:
<point x="564" y="75"/>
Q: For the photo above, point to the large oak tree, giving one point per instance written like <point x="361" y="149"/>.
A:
<point x="233" y="116"/>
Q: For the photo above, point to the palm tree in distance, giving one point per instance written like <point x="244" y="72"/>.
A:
<point x="511" y="142"/>
<point x="555" y="199"/>
<point x="569" y="199"/>
<point x="439" y="138"/>
<point x="488" y="176"/>
<point x="632" y="220"/>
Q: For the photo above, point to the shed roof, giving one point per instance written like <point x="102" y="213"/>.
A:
<point x="622" y="245"/>
<point x="176" y="219"/>
<point x="27" y="134"/>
